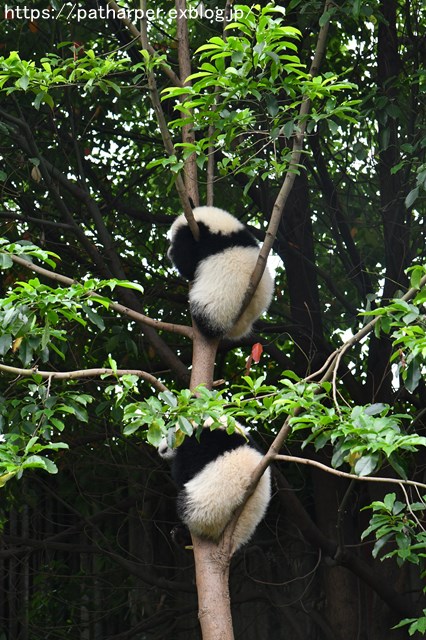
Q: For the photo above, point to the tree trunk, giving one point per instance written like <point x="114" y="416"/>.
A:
<point x="296" y="242"/>
<point x="212" y="577"/>
<point x="393" y="211"/>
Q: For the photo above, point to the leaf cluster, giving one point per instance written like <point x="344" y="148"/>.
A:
<point x="35" y="317"/>
<point x="83" y="68"/>
<point x="397" y="525"/>
<point x="407" y="323"/>
<point x="395" y="520"/>
<point x="363" y="437"/>
<point x="259" y="66"/>
<point x="29" y="423"/>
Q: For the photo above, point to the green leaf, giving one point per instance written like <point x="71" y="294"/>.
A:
<point x="374" y="409"/>
<point x="326" y="16"/>
<point x="6" y="477"/>
<point x="127" y="284"/>
<point x="94" y="318"/>
<point x="413" y="376"/>
<point x="415" y="276"/>
<point x="23" y="82"/>
<point x="169" y="398"/>
<point x="155" y="434"/>
<point x="5" y="343"/>
<point x="40" y="462"/>
<point x="381" y="543"/>
<point x="185" y="425"/>
<point x="389" y="501"/>
<point x="271" y="104"/>
<point x="412" y="197"/>
<point x="366" y="465"/>
<point x="131" y="428"/>
<point x="395" y="464"/>
<point x="6" y="261"/>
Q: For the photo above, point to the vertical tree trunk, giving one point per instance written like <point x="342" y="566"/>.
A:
<point x="13" y="595"/>
<point x="25" y="579"/>
<point x="295" y="237"/>
<point x="211" y="560"/>
<point x="203" y="359"/>
<point x="212" y="578"/>
<point x="340" y="585"/>
<point x="393" y="211"/>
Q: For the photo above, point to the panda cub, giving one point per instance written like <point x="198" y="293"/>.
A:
<point x="219" y="265"/>
<point x="212" y="474"/>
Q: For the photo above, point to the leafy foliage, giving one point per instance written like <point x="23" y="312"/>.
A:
<point x="83" y="176"/>
<point x="240" y="72"/>
<point x="408" y="326"/>
<point x="83" y="68"/>
<point x="35" y="316"/>
<point x="30" y="422"/>
<point x="400" y="523"/>
<point x="395" y="520"/>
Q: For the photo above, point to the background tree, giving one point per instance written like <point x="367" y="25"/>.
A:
<point x="87" y="551"/>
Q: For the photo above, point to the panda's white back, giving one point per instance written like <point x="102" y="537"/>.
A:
<point x="220" y="284"/>
<point x="220" y="267"/>
<point x="210" y="499"/>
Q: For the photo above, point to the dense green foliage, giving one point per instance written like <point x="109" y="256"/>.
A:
<point x="88" y="193"/>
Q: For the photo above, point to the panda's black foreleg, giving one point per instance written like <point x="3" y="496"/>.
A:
<point x="181" y="536"/>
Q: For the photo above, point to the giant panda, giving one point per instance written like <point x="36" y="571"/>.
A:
<point x="212" y="472"/>
<point x="219" y="265"/>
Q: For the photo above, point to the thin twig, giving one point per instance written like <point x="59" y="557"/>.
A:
<point x="164" y="130"/>
<point x="333" y="361"/>
<point x="211" y="161"/>
<point x="410" y="509"/>
<point x="188" y="135"/>
<point x="138" y="36"/>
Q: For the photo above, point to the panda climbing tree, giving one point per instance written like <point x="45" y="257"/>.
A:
<point x="219" y="265"/>
<point x="213" y="469"/>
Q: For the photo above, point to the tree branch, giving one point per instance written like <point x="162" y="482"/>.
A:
<point x="51" y="175"/>
<point x="15" y="215"/>
<point x="121" y="309"/>
<point x="84" y="373"/>
<point x="352" y="262"/>
<point x="352" y="561"/>
<point x="330" y="367"/>
<point x="190" y="168"/>
<point x="138" y="36"/>
<point x="211" y="160"/>
<point x="344" y="474"/>
<point x="156" y="103"/>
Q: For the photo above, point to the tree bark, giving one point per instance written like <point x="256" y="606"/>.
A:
<point x="212" y="576"/>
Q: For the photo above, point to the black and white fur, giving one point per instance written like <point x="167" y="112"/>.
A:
<point x="219" y="265"/>
<point x="212" y="475"/>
